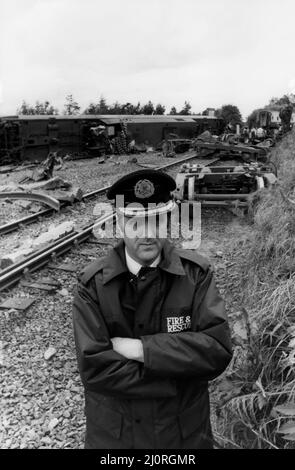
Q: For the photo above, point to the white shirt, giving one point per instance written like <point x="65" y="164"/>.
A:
<point x="134" y="266"/>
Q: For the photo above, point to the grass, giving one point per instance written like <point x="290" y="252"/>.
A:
<point x="262" y="414"/>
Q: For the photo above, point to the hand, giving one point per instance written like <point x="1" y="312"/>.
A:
<point x="128" y="347"/>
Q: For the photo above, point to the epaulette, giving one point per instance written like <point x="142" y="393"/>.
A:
<point x="195" y="257"/>
<point x="91" y="270"/>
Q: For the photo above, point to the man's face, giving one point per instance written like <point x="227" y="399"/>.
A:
<point x="144" y="237"/>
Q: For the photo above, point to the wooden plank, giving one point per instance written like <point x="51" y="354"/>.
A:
<point x="49" y="281"/>
<point x="38" y="285"/>
<point x="102" y="242"/>
<point x="18" y="303"/>
<point x="87" y="253"/>
<point x="64" y="267"/>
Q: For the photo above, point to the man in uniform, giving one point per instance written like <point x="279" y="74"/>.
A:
<point x="150" y="330"/>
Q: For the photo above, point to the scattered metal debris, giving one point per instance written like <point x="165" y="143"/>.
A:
<point x="45" y="170"/>
<point x="39" y="197"/>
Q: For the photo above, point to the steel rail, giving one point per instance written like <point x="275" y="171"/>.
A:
<point x="220" y="197"/>
<point x="12" y="226"/>
<point x="18" y="264"/>
<point x="14" y="273"/>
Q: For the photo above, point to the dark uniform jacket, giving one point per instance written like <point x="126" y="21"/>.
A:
<point x="177" y="312"/>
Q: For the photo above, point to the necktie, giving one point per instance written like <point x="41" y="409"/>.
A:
<point x="145" y="270"/>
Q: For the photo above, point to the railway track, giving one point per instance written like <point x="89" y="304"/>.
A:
<point x="14" y="273"/>
<point x="12" y="226"/>
<point x="15" y="225"/>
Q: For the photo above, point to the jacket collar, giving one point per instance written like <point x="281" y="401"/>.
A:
<point x="115" y="264"/>
<point x="134" y="267"/>
<point x="171" y="261"/>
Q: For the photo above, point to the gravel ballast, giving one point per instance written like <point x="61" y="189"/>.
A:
<point x="42" y="402"/>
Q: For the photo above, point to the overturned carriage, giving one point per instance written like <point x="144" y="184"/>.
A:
<point x="32" y="137"/>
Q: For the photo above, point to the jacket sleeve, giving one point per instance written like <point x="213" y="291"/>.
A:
<point x="101" y="368"/>
<point x="205" y="351"/>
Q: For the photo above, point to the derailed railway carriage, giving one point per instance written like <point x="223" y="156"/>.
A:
<point x="32" y="137"/>
<point x="223" y="185"/>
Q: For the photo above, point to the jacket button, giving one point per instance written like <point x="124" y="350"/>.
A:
<point x="140" y="325"/>
<point x="143" y="278"/>
<point x="137" y="420"/>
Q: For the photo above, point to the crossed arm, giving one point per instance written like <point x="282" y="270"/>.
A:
<point x="151" y="365"/>
<point x="129" y="347"/>
<point x="104" y="362"/>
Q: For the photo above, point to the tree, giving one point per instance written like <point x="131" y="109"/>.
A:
<point x="102" y="107"/>
<point x="25" y="109"/>
<point x="45" y="108"/>
<point x="278" y="103"/>
<point x="99" y="108"/>
<point x="160" y="109"/>
<point x="39" y="108"/>
<point x="230" y="114"/>
<point x="286" y="116"/>
<point x="130" y="108"/>
<point x="116" y="108"/>
<point x="148" y="108"/>
<point x="186" y="110"/>
<point x="173" y="111"/>
<point x="91" y="109"/>
<point x="71" y="106"/>
<point x="283" y="101"/>
<point x="137" y="108"/>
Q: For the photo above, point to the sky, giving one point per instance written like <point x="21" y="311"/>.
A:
<point x="207" y="52"/>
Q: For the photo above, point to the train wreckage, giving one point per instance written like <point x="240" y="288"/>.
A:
<point x="32" y="137"/>
<point x="222" y="185"/>
<point x="241" y="168"/>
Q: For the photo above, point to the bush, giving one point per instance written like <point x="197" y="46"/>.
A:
<point x="261" y="415"/>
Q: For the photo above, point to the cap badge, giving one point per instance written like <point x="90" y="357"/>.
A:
<point x="144" y="189"/>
